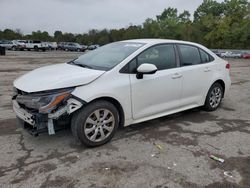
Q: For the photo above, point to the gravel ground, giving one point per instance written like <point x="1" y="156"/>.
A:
<point x="172" y="151"/>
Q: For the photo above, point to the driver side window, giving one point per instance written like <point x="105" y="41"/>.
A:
<point x="162" y="56"/>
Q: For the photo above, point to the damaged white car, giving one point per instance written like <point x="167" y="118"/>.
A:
<point x="121" y="83"/>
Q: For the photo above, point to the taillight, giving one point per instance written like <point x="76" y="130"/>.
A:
<point x="228" y="66"/>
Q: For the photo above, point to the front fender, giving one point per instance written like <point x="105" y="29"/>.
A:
<point x="117" y="88"/>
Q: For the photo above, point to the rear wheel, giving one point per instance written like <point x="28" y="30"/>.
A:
<point x="95" y="124"/>
<point x="214" y="97"/>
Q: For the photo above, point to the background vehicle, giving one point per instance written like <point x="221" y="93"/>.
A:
<point x="35" y="45"/>
<point x="84" y="47"/>
<point x="245" y="55"/>
<point x="60" y="45"/>
<point x="7" y="44"/>
<point x="93" y="47"/>
<point x="51" y="45"/>
<point x="19" y="45"/>
<point x="121" y="83"/>
<point x="71" y="46"/>
<point x="217" y="52"/>
<point x="230" y="54"/>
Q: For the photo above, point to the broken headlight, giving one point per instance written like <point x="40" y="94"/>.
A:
<point x="44" y="102"/>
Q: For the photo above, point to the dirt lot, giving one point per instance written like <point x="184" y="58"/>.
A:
<point x="132" y="159"/>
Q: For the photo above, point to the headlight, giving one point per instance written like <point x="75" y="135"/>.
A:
<point x="43" y="102"/>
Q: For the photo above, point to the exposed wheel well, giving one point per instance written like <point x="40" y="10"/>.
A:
<point x="222" y="83"/>
<point x="117" y="105"/>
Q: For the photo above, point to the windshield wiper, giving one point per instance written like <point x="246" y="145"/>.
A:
<point x="80" y="65"/>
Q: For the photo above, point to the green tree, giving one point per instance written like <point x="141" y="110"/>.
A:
<point x="9" y="34"/>
<point x="216" y="25"/>
<point x="58" y="36"/>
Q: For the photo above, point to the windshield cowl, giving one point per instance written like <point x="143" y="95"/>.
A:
<point x="80" y="65"/>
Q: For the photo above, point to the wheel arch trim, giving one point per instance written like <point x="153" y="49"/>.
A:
<point x="117" y="104"/>
<point x="219" y="80"/>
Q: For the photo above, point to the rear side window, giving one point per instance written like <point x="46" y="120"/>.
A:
<point x="205" y="57"/>
<point x="190" y="55"/>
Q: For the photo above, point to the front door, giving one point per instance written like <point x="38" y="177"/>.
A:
<point x="159" y="92"/>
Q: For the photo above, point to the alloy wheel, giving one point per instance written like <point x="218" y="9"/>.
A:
<point x="99" y="125"/>
<point x="215" y="97"/>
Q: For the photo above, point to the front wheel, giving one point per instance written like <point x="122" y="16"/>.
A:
<point x="95" y="124"/>
<point x="214" y="97"/>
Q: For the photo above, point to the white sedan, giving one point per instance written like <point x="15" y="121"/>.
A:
<point x="120" y="84"/>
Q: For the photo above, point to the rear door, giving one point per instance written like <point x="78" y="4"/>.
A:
<point x="157" y="93"/>
<point x="197" y="70"/>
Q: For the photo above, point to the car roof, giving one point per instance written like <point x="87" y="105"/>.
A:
<point x="158" y="41"/>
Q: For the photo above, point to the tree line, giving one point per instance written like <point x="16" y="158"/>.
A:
<point x="213" y="24"/>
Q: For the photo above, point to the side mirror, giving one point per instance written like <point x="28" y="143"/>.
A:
<point x="145" y="68"/>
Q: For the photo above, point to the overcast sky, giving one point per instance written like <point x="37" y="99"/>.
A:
<point x="78" y="16"/>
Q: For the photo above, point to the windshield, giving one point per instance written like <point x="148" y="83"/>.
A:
<point x="108" y="56"/>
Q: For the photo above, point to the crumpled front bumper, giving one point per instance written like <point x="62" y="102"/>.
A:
<point x="37" y="123"/>
<point x="23" y="114"/>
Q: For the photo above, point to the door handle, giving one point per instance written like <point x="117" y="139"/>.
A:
<point x="177" y="75"/>
<point x="207" y="69"/>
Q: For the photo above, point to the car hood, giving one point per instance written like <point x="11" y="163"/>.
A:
<point x="56" y="77"/>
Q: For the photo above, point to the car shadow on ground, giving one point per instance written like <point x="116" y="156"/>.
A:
<point x="163" y="128"/>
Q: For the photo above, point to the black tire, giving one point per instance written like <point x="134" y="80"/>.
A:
<point x="13" y="48"/>
<point x="79" y="119"/>
<point x="208" y="106"/>
<point x="36" y="48"/>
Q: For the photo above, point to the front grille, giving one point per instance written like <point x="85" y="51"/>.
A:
<point x="30" y="110"/>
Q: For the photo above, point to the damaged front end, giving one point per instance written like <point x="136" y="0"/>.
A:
<point x="45" y="111"/>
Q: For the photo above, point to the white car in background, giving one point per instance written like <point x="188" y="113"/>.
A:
<point x="51" y="45"/>
<point x="7" y="44"/>
<point x="19" y="45"/>
<point x="35" y="45"/>
<point x="121" y="83"/>
<point x="230" y="55"/>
